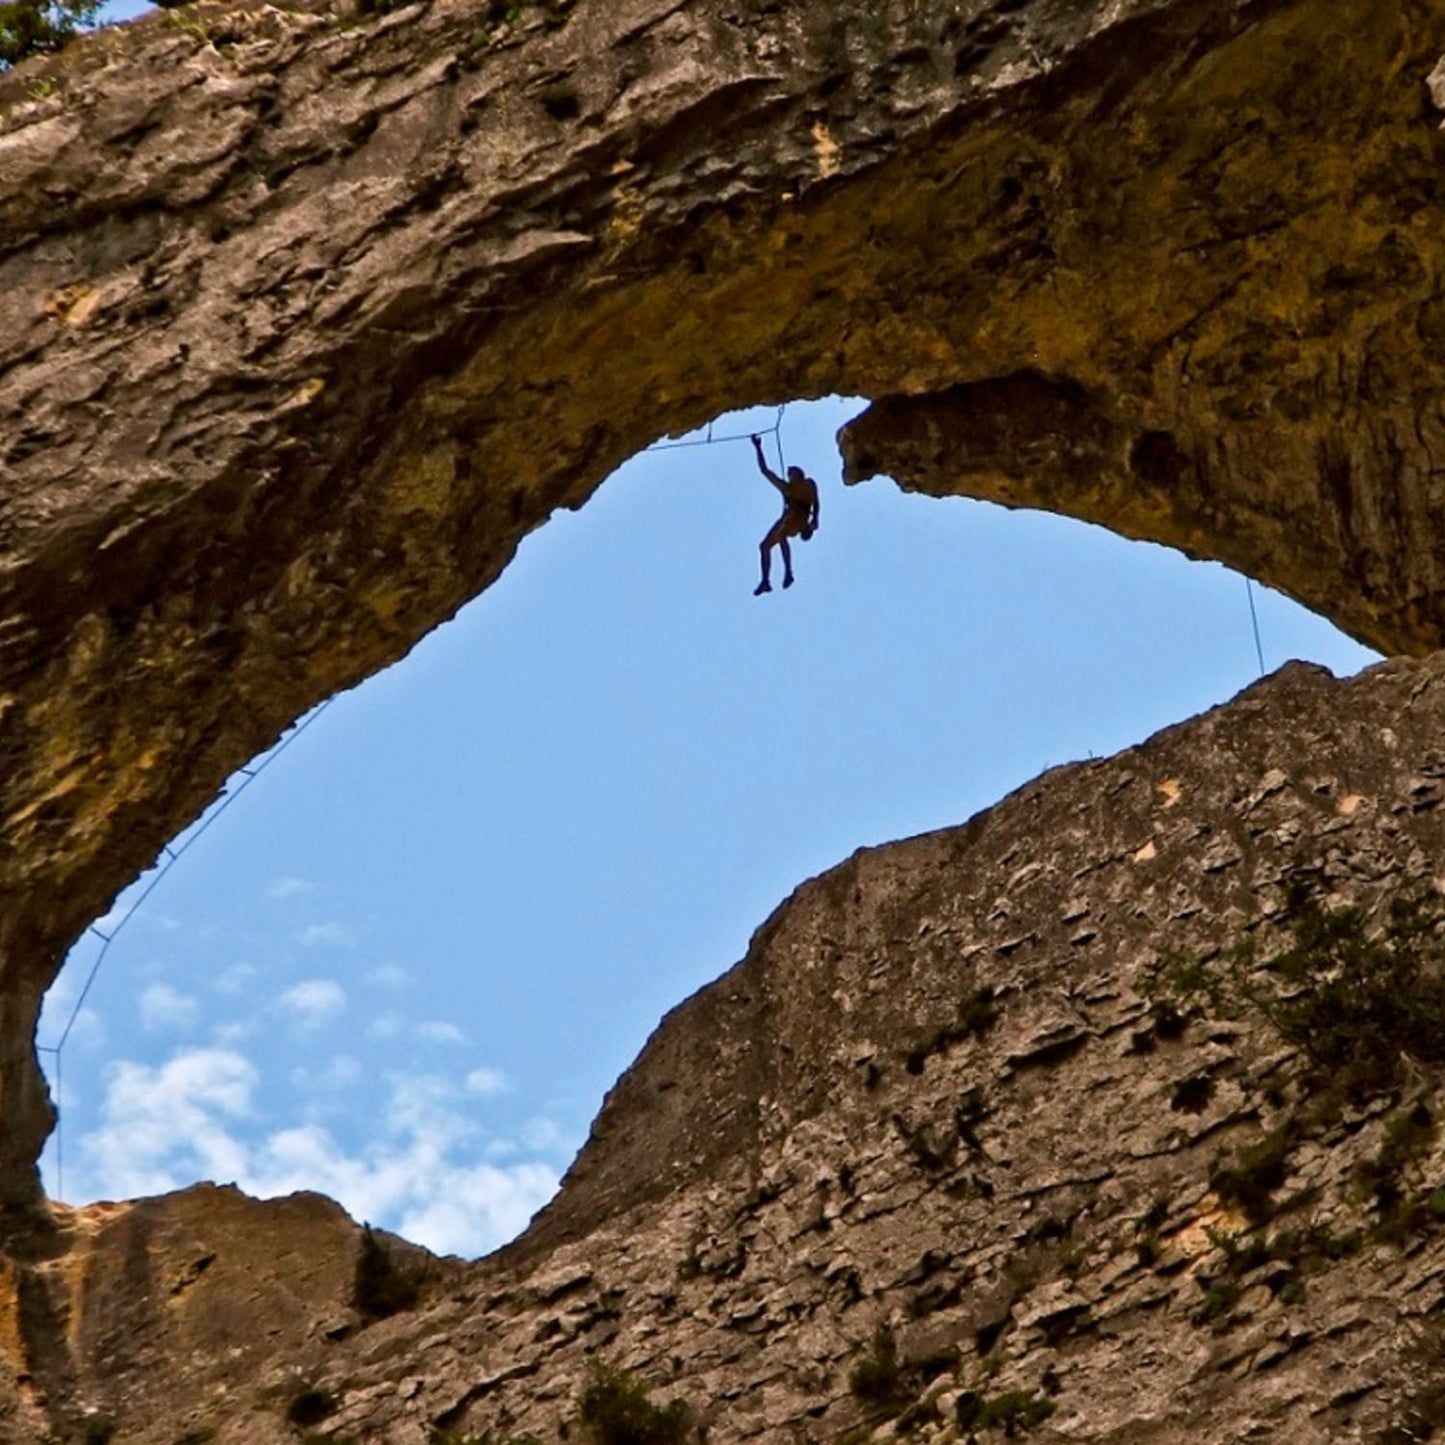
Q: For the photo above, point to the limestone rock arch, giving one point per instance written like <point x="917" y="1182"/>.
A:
<point x="306" y="319"/>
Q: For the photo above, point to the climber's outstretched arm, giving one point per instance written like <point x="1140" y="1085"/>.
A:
<point x="763" y="467"/>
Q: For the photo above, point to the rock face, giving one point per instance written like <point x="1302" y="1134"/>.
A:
<point x="157" y="1311"/>
<point x="305" y="320"/>
<point x="941" y="1098"/>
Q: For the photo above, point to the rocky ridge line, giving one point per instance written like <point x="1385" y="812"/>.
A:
<point x="938" y="1097"/>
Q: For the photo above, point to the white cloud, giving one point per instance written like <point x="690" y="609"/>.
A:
<point x="235" y="979"/>
<point x="392" y="1025"/>
<point x="166" y="1125"/>
<point x="390" y="975"/>
<point x="437" y="1031"/>
<point x="340" y="1072"/>
<point x="330" y="934"/>
<point x="486" y="1081"/>
<point x="282" y="888"/>
<point x="165" y="1008"/>
<point x="542" y="1136"/>
<point x="313" y="1001"/>
<point x="422" y="1104"/>
<point x="481" y="1203"/>
<point x="424" y="1174"/>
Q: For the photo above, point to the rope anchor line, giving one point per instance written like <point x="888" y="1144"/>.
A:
<point x="1254" y="619"/>
<point x="172" y="856"/>
<point x="775" y="431"/>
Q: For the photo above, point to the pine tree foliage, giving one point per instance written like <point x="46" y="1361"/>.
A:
<point x="41" y="27"/>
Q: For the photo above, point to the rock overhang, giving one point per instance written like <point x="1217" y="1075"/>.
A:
<point x="309" y="321"/>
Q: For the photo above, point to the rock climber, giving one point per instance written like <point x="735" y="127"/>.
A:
<point x="799" y="519"/>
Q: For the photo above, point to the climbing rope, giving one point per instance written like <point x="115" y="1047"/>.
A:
<point x="775" y="431"/>
<point x="171" y="857"/>
<point x="1254" y="619"/>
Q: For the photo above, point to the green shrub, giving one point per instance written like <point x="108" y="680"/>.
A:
<point x="1292" y="1292"/>
<point x="614" y="1410"/>
<point x="1408" y="1135"/>
<point x="1311" y="1248"/>
<point x="1403" y="1213"/>
<point x="1306" y="1250"/>
<point x="1359" y="999"/>
<point x="1012" y="1412"/>
<point x="879" y="1378"/>
<point x="978" y="1011"/>
<point x="1242" y="1252"/>
<point x="1220" y="1297"/>
<point x="1189" y="980"/>
<point x="40" y="27"/>
<point x="1365" y="1002"/>
<point x="1251" y="1177"/>
<point x="310" y="1407"/>
<point x="382" y="1285"/>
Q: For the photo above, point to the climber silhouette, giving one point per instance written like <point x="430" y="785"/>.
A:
<point x="799" y="519"/>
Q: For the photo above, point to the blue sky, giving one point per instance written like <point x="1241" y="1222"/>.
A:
<point x="406" y="964"/>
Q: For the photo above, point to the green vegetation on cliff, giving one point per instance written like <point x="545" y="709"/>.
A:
<point x="40" y="27"/>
